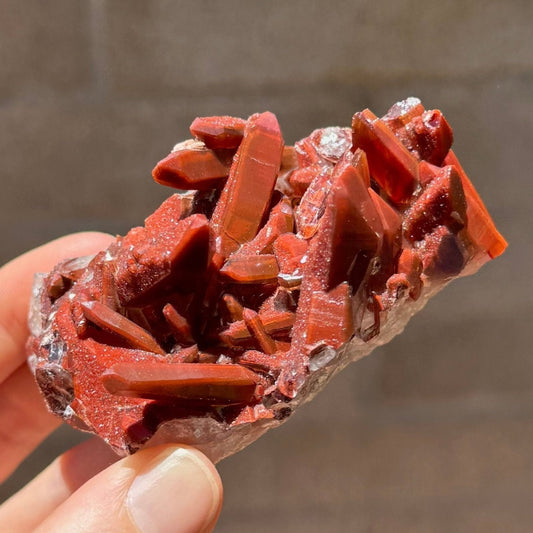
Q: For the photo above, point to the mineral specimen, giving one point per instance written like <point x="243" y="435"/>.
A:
<point x="238" y="300"/>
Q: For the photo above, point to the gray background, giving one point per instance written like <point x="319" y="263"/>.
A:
<point x="432" y="432"/>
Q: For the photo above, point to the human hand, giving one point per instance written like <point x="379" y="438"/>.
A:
<point x="168" y="488"/>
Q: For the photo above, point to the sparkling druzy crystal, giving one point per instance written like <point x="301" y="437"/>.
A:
<point x="238" y="300"/>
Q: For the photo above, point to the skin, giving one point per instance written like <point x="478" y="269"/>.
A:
<point x="88" y="488"/>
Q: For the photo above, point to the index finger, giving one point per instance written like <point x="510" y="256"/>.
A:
<point x="16" y="279"/>
<point x="24" y="419"/>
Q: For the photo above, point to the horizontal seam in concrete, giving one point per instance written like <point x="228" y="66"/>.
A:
<point x="373" y="504"/>
<point x="369" y="83"/>
<point x="478" y="407"/>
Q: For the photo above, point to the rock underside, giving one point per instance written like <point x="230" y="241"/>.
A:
<point x="239" y="299"/>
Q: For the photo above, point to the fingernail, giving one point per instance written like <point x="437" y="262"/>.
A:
<point x="178" y="494"/>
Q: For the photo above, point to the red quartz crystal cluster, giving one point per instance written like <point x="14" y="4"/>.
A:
<point x="239" y="299"/>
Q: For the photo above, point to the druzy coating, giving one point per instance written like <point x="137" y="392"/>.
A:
<point x="239" y="299"/>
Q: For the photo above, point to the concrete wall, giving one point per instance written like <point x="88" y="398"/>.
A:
<point x="431" y="433"/>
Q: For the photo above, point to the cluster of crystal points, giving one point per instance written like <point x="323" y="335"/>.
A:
<point x="239" y="299"/>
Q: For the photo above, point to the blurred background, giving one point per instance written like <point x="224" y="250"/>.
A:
<point x="433" y="432"/>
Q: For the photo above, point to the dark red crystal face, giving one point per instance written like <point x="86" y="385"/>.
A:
<point x="240" y="298"/>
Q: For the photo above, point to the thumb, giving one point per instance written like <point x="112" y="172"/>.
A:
<point x="162" y="489"/>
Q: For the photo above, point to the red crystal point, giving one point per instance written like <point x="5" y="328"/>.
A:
<point x="174" y="257"/>
<point x="114" y="322"/>
<point x="350" y="227"/>
<point x="235" y="309"/>
<point x="313" y="203"/>
<point x="253" y="175"/>
<point x="179" y="325"/>
<point x="280" y="221"/>
<point x="109" y="295"/>
<point x="191" y="166"/>
<point x="432" y="136"/>
<point x="239" y="299"/>
<point x="219" y="132"/>
<point x="290" y="251"/>
<point x="208" y="384"/>
<point x="443" y="255"/>
<point x="289" y="163"/>
<point x="391" y="221"/>
<point x="260" y="362"/>
<point x="426" y="134"/>
<point x="251" y="268"/>
<point x="301" y="178"/>
<point x="172" y="210"/>
<point x="410" y="265"/>
<point x="442" y="203"/>
<point x="186" y="355"/>
<point x="402" y="113"/>
<point x="257" y="329"/>
<point x="330" y="318"/>
<point x="277" y="321"/>
<point x="391" y="164"/>
<point x="273" y="322"/>
<point x="427" y="173"/>
<point x="481" y="228"/>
